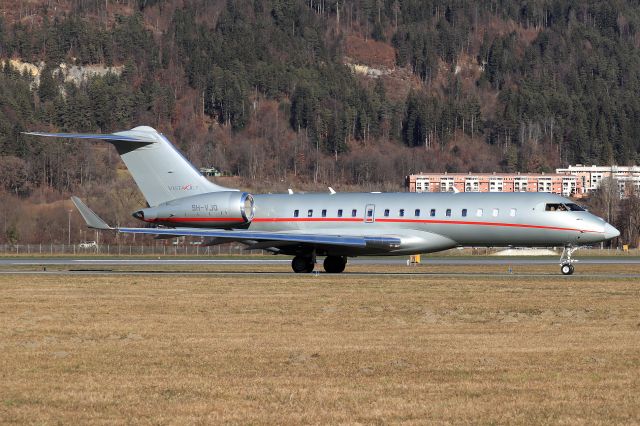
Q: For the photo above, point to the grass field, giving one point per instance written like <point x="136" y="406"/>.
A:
<point x="293" y="349"/>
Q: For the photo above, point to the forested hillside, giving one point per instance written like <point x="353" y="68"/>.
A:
<point x="309" y="93"/>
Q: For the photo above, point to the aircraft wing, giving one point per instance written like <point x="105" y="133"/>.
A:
<point x="264" y="238"/>
<point x="364" y="241"/>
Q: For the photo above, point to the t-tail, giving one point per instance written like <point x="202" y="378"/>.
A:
<point x="158" y="168"/>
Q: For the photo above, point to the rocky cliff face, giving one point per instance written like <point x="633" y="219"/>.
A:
<point x="76" y="74"/>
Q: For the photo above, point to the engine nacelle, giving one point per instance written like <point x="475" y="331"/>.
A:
<point x="216" y="209"/>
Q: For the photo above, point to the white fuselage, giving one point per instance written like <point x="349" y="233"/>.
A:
<point x="426" y="222"/>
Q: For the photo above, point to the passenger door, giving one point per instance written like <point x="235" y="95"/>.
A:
<point x="370" y="213"/>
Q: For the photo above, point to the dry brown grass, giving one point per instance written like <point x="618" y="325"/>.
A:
<point x="592" y="271"/>
<point x="318" y="349"/>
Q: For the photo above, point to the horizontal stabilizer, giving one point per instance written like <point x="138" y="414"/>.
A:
<point x="92" y="219"/>
<point x="100" y="136"/>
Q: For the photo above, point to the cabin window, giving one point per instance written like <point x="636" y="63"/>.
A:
<point x="324" y="213"/>
<point x="354" y="213"/>
<point x="496" y="212"/>
<point x="417" y="213"/>
<point x="309" y="213"/>
<point x="432" y="213"/>
<point x="479" y="212"/>
<point x="556" y="207"/>
<point x="513" y="212"/>
<point x="464" y="212"/>
<point x="386" y="212"/>
<point x="339" y="212"/>
<point x="574" y="207"/>
<point x="401" y="212"/>
<point x="296" y="213"/>
<point x="448" y="213"/>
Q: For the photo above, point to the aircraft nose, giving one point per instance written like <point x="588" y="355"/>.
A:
<point x="610" y="232"/>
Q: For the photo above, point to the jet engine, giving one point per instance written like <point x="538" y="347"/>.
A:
<point x="225" y="209"/>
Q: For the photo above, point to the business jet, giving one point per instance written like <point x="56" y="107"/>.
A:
<point x="182" y="202"/>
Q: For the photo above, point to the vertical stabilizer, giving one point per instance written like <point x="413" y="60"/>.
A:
<point x="158" y="168"/>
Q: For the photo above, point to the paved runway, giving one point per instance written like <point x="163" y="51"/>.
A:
<point x="609" y="260"/>
<point x="92" y="266"/>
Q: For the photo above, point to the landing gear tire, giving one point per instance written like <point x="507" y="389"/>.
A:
<point x="334" y="264"/>
<point x="566" y="263"/>
<point x="567" y="269"/>
<point x="302" y="264"/>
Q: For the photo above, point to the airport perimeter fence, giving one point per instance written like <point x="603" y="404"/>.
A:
<point x="127" y="250"/>
<point x="231" y="249"/>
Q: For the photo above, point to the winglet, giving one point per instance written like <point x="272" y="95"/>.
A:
<point x="332" y="191"/>
<point x="92" y="219"/>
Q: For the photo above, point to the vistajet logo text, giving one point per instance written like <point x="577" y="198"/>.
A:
<point x="187" y="187"/>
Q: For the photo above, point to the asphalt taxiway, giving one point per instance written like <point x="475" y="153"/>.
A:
<point x="67" y="261"/>
<point x="90" y="266"/>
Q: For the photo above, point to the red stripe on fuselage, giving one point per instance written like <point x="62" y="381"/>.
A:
<point x="360" y="220"/>
<point x="197" y="219"/>
<point x="307" y="219"/>
<point x="439" y="222"/>
<point x="462" y="222"/>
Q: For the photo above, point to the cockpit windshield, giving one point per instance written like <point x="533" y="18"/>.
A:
<point x="574" y="207"/>
<point x="558" y="207"/>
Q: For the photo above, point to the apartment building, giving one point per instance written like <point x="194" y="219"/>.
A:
<point x="567" y="185"/>
<point x="591" y="176"/>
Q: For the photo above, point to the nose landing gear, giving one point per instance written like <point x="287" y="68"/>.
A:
<point x="566" y="269"/>
<point x="566" y="263"/>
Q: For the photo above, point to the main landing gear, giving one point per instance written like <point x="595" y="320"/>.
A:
<point x="334" y="264"/>
<point x="566" y="263"/>
<point x="305" y="264"/>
